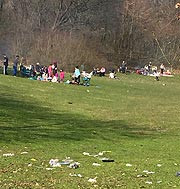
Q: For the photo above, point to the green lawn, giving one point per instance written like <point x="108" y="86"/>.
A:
<point x="136" y="119"/>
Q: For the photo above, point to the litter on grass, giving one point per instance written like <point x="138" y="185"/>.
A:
<point x="128" y="165"/>
<point x="8" y="155"/>
<point x="99" y="156"/>
<point x="66" y="161"/>
<point x="22" y="153"/>
<point x="33" y="159"/>
<point x="74" y="165"/>
<point x="95" y="155"/>
<point x="54" y="163"/>
<point x="148" y="172"/>
<point x="49" y="168"/>
<point x="159" y="165"/>
<point x="148" y="182"/>
<point x="86" y="154"/>
<point x="92" y="180"/>
<point x="75" y="175"/>
<point x="106" y="159"/>
<point x="96" y="164"/>
<point x="57" y="163"/>
<point x="138" y="176"/>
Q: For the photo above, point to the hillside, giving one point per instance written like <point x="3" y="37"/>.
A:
<point x="133" y="121"/>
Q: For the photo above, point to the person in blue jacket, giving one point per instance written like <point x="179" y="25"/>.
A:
<point x="77" y="75"/>
<point x="15" y="65"/>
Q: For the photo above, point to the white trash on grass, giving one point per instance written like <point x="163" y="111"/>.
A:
<point x="74" y="165"/>
<point x="96" y="164"/>
<point x="22" y="153"/>
<point x="86" y="154"/>
<point x="75" y="175"/>
<point x="8" y="155"/>
<point x="92" y="180"/>
<point x="54" y="163"/>
<point x="30" y="165"/>
<point x="128" y="165"/>
<point x="95" y="155"/>
<point x="148" y="172"/>
<point x="49" y="168"/>
<point x="148" y="182"/>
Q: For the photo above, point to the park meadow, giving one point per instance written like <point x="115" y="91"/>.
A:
<point x="133" y="121"/>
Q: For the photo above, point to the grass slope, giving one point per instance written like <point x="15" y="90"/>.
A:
<point x="136" y="118"/>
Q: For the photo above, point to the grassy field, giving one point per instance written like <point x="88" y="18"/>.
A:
<point x="135" y="120"/>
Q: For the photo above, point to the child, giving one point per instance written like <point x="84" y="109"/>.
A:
<point x="50" y="70"/>
<point x="62" y="75"/>
<point x="57" y="75"/>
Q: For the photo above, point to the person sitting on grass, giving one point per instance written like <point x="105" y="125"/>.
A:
<point x="102" y="72"/>
<point x="112" y="74"/>
<point x="86" y="78"/>
<point x="44" y="77"/>
<point x="37" y="69"/>
<point x="54" y="79"/>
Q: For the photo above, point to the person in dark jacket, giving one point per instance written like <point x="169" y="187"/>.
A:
<point x="6" y="62"/>
<point x="123" y="67"/>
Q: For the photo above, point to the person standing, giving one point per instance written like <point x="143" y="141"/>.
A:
<point x="54" y="67"/>
<point x="123" y="67"/>
<point x="62" y="75"/>
<point x="5" y="62"/>
<point x="15" y="65"/>
<point x="50" y="70"/>
<point x="149" y="68"/>
<point x="77" y="75"/>
<point x="162" y="68"/>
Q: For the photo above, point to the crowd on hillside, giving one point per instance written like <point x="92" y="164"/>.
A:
<point x="49" y="73"/>
<point x="52" y="73"/>
<point x="150" y="70"/>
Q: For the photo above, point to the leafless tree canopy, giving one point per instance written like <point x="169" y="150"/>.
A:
<point x="91" y="32"/>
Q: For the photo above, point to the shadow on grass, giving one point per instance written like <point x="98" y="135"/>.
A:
<point x="22" y="121"/>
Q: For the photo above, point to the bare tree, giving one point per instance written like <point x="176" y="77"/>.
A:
<point x="137" y="31"/>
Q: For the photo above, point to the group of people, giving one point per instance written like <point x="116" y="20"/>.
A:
<point x="5" y="62"/>
<point x="101" y="72"/>
<point x="153" y="71"/>
<point x="44" y="73"/>
<point x="49" y="73"/>
<point x="150" y="69"/>
<point x="77" y="76"/>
